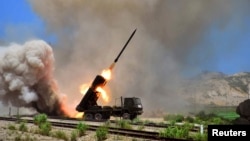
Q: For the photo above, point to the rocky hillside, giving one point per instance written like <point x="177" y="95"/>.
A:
<point x="218" y="89"/>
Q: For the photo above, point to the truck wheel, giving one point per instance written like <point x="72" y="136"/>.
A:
<point x="105" y="115"/>
<point x="98" y="116"/>
<point x="88" y="116"/>
<point x="126" y="116"/>
<point x="132" y="117"/>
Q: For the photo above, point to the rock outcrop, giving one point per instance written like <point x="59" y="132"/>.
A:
<point x="243" y="109"/>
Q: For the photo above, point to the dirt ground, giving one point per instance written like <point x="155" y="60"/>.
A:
<point x="6" y="134"/>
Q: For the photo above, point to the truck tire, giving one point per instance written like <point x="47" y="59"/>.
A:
<point x="106" y="115"/>
<point x="132" y="117"/>
<point x="98" y="116"/>
<point x="126" y="116"/>
<point x="88" y="116"/>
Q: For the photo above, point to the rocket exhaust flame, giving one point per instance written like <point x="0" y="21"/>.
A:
<point x="103" y="94"/>
<point x="106" y="74"/>
<point x="95" y="90"/>
<point x="84" y="88"/>
<point x="112" y="66"/>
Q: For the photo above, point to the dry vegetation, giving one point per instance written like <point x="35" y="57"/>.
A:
<point x="9" y="131"/>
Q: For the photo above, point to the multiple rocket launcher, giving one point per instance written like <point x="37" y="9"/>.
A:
<point x="91" y="96"/>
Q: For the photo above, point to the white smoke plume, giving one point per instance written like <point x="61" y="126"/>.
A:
<point x="26" y="77"/>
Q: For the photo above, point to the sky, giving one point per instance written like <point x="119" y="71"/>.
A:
<point x="233" y="40"/>
<point x="17" y="18"/>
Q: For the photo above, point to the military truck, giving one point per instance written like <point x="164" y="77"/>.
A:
<point x="130" y="107"/>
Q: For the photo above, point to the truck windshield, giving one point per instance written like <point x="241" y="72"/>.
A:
<point x="137" y="101"/>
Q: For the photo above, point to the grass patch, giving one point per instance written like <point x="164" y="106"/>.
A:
<point x="228" y="115"/>
<point x="180" y="132"/>
<point x="11" y="127"/>
<point x="124" y="124"/>
<point x="40" y="119"/>
<point x="73" y="135"/>
<point x="81" y="128"/>
<point x="174" y="117"/>
<point x="101" y="133"/>
<point x="60" y="135"/>
<point x="23" y="127"/>
<point x="45" y="128"/>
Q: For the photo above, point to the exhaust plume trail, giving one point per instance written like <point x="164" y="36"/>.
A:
<point x="26" y="77"/>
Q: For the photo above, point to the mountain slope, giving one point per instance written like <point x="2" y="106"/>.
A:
<point x="211" y="88"/>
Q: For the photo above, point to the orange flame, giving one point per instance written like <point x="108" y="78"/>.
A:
<point x="84" y="88"/>
<point x="103" y="94"/>
<point x="106" y="74"/>
<point x="79" y="115"/>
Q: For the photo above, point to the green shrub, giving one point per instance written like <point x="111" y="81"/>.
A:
<point x="101" y="133"/>
<point x="174" y="117"/>
<point x="23" y="127"/>
<point x="172" y="122"/>
<point x="189" y="119"/>
<point x="137" y="120"/>
<point x="40" y="118"/>
<point x="124" y="124"/>
<point x="81" y="128"/>
<point x="45" y="128"/>
<point x="175" y="132"/>
<point x="211" y="118"/>
<point x="199" y="137"/>
<point x="205" y="117"/>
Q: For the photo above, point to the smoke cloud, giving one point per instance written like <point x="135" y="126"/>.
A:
<point x="26" y="77"/>
<point x="169" y="32"/>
